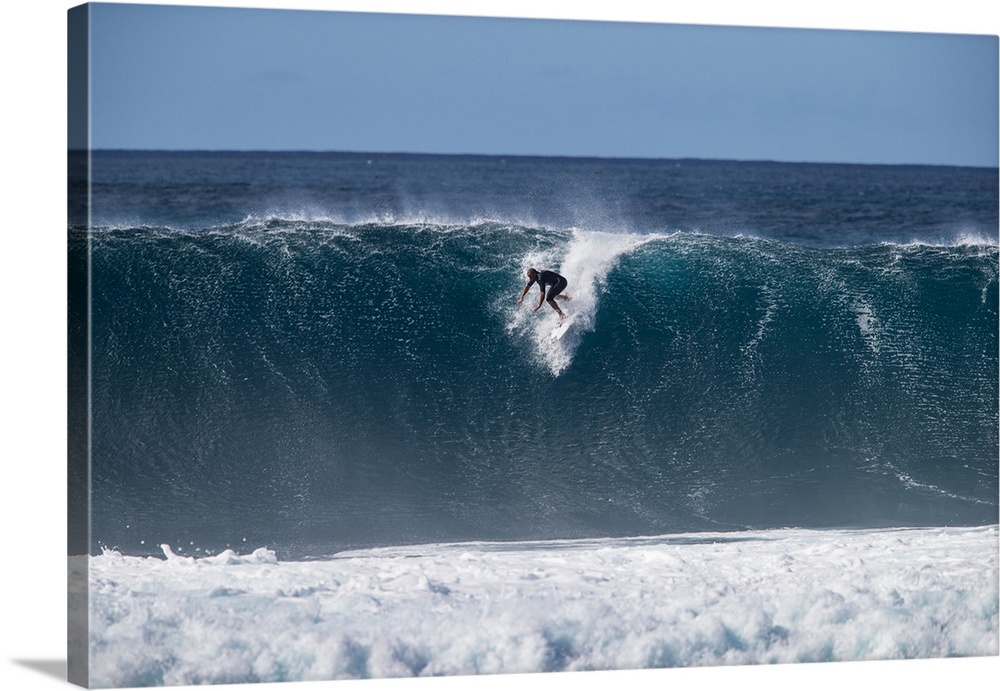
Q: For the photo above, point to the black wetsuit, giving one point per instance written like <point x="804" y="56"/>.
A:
<point x="556" y="283"/>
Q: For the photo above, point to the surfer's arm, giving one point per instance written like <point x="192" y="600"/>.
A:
<point x="541" y="297"/>
<point x="524" y="292"/>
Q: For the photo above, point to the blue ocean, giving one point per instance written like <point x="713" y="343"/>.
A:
<point x="317" y="351"/>
<point x="325" y="441"/>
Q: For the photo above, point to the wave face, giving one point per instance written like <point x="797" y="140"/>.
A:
<point x="320" y="384"/>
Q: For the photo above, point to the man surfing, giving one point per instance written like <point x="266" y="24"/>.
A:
<point x="556" y="284"/>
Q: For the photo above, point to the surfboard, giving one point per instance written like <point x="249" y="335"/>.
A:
<point x="561" y="329"/>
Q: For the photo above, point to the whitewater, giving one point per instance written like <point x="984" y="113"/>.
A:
<point x="752" y="597"/>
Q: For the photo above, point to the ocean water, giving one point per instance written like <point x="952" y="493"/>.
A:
<point x="320" y="356"/>
<point x="317" y="351"/>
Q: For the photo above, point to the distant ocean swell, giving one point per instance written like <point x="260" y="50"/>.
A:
<point x="330" y="382"/>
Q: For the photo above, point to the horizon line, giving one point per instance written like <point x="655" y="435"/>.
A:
<point x="592" y="157"/>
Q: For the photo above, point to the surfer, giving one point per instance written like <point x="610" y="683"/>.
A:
<point x="556" y="284"/>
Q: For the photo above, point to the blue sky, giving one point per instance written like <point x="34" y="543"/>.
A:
<point x="174" y="77"/>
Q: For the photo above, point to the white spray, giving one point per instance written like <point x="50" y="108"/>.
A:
<point x="585" y="262"/>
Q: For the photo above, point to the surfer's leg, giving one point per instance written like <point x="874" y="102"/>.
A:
<point x="556" y="289"/>
<point x="553" y="293"/>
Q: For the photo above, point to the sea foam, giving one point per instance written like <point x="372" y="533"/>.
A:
<point x="482" y="608"/>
